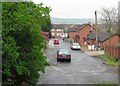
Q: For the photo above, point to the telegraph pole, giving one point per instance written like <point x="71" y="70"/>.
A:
<point x="96" y="31"/>
<point x="119" y="22"/>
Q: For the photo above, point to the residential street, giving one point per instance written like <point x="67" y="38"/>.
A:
<point x="83" y="68"/>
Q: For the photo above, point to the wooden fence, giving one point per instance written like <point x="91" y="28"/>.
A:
<point x="113" y="51"/>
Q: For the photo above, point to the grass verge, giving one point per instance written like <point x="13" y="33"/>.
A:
<point x="106" y="84"/>
<point x="109" y="60"/>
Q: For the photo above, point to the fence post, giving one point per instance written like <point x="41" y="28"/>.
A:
<point x="109" y="50"/>
<point x="105" y="48"/>
<point x="116" y="54"/>
<point x="115" y="48"/>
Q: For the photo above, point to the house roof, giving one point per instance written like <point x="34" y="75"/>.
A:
<point x="57" y="26"/>
<point x="103" y="36"/>
<point x="91" y="35"/>
<point x="82" y="26"/>
<point x="116" y="35"/>
<point x="61" y="26"/>
<point x="112" y="36"/>
<point x="72" y="29"/>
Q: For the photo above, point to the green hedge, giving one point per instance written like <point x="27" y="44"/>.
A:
<point x="22" y="43"/>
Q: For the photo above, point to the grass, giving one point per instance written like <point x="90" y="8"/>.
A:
<point x="106" y="83"/>
<point x="110" y="60"/>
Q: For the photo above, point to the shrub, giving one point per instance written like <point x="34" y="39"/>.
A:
<point x="22" y="55"/>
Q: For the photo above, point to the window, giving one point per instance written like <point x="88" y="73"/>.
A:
<point x="53" y="34"/>
<point x="53" y="30"/>
<point x="58" y="34"/>
<point x="58" y="29"/>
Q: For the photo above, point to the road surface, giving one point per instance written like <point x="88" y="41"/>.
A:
<point x="83" y="68"/>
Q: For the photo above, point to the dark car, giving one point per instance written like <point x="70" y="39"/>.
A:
<point x="63" y="55"/>
<point x="56" y="41"/>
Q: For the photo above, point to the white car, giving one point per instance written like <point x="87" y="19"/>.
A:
<point x="75" y="46"/>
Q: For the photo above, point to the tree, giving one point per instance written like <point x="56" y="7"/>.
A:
<point x="110" y="20"/>
<point x="47" y="26"/>
<point x="66" y="32"/>
<point x="22" y="55"/>
<point x="47" y="21"/>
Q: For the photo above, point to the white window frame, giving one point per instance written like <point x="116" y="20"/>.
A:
<point x="52" y="29"/>
<point x="58" y="29"/>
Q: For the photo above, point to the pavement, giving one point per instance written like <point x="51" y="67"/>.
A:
<point x="85" y="49"/>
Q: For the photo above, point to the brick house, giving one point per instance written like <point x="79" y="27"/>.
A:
<point x="79" y="32"/>
<point x="114" y="40"/>
<point x="112" y="46"/>
<point x="57" y="31"/>
<point x="84" y="31"/>
<point x="103" y="39"/>
<point x="90" y="39"/>
<point x="73" y="31"/>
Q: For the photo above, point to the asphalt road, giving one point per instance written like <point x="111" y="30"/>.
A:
<point x="83" y="68"/>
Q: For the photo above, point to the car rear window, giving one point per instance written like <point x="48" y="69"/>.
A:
<point x="76" y="45"/>
<point x="63" y="51"/>
<point x="55" y="40"/>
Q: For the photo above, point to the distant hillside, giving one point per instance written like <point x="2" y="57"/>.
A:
<point x="71" y="21"/>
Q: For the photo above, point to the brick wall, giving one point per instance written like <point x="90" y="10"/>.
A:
<point x="72" y="34"/>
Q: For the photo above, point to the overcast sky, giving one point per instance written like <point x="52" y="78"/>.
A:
<point x="77" y="8"/>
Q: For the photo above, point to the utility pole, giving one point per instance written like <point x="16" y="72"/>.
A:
<point x="89" y="32"/>
<point x="96" y="31"/>
<point x="119" y="22"/>
<point x="119" y="19"/>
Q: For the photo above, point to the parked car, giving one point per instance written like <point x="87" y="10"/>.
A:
<point x="63" y="54"/>
<point x="56" y="41"/>
<point x="75" y="46"/>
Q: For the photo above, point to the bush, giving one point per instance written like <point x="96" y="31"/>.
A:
<point x="22" y="55"/>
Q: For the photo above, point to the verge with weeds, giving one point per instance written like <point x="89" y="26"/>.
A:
<point x="109" y="60"/>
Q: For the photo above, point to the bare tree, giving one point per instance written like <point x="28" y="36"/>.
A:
<point x="110" y="20"/>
